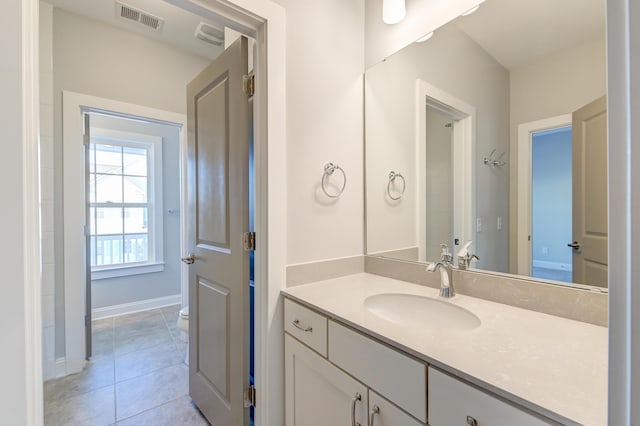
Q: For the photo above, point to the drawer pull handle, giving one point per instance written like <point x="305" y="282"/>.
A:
<point x="375" y="410"/>
<point x="471" y="421"/>
<point x="357" y="397"/>
<point x="307" y="329"/>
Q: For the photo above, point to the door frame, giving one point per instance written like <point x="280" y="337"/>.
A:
<point x="265" y="21"/>
<point x="463" y="153"/>
<point x="74" y="202"/>
<point x="525" y="139"/>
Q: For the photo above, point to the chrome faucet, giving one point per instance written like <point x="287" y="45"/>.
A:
<point x="446" y="275"/>
<point x="465" y="257"/>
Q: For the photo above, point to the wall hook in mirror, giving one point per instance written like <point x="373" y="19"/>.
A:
<point x="490" y="161"/>
<point x="392" y="178"/>
<point x="330" y="169"/>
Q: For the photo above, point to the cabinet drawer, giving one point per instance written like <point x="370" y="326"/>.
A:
<point x="384" y="413"/>
<point x="305" y="325"/>
<point x="393" y="375"/>
<point x="451" y="401"/>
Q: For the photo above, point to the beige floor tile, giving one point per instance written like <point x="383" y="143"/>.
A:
<point x="142" y="393"/>
<point x="178" y="412"/>
<point x="102" y="343"/>
<point x="97" y="374"/>
<point x="95" y="408"/>
<point x="136" y="340"/>
<point x="139" y="363"/>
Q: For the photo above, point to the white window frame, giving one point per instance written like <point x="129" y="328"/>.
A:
<point x="153" y="144"/>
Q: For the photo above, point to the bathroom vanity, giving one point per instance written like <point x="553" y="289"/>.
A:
<point x="354" y="356"/>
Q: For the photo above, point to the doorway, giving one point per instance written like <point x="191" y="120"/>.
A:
<point x="109" y="216"/>
<point x="551" y="205"/>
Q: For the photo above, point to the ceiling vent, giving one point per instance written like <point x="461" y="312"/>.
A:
<point x="132" y="14"/>
<point x="210" y="34"/>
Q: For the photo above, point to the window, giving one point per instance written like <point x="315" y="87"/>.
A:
<point x="125" y="203"/>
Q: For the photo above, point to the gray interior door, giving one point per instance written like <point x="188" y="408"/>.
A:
<point x="590" y="220"/>
<point x="218" y="197"/>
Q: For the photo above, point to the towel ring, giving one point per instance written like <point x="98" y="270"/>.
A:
<point x="329" y="169"/>
<point x="392" y="177"/>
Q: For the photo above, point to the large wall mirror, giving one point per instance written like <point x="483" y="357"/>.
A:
<point x="493" y="130"/>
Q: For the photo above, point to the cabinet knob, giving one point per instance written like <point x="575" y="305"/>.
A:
<point x="471" y="421"/>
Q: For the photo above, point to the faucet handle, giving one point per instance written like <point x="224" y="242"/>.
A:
<point x="445" y="253"/>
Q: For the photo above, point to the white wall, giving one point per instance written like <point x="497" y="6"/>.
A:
<point x="121" y="290"/>
<point x="325" y="61"/>
<point x="556" y="85"/>
<point x="92" y="58"/>
<point x="454" y="63"/>
<point x="13" y="368"/>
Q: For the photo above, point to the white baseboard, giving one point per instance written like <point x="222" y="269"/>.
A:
<point x="556" y="266"/>
<point x="129" y="308"/>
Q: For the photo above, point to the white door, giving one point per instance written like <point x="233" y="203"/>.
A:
<point x="590" y="220"/>
<point x="218" y="115"/>
<point x="318" y="393"/>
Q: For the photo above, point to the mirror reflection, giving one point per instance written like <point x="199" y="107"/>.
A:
<point x="493" y="130"/>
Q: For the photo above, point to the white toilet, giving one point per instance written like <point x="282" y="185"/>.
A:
<point x="183" y="325"/>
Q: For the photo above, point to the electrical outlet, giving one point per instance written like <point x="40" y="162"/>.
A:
<point x="478" y="225"/>
<point x="499" y="225"/>
<point x="545" y="250"/>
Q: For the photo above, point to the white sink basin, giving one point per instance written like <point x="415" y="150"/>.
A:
<point x="419" y="312"/>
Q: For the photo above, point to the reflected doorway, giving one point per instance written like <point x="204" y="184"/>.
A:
<point x="551" y="206"/>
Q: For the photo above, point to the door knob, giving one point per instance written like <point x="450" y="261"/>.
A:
<point x="574" y="245"/>
<point x="189" y="260"/>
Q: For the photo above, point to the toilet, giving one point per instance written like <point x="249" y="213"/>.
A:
<point x="183" y="325"/>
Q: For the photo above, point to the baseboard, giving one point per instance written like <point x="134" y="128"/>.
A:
<point x="129" y="308"/>
<point x="556" y="266"/>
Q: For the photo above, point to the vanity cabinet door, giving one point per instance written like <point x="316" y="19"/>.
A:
<point x="318" y="393"/>
<point x="384" y="413"/>
<point x="452" y="402"/>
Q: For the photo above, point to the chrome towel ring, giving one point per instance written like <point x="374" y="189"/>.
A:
<point x="392" y="178"/>
<point x="329" y="169"/>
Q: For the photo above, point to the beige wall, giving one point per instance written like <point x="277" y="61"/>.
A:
<point x="325" y="61"/>
<point x="556" y="85"/>
<point x="470" y="75"/>
<point x="92" y="58"/>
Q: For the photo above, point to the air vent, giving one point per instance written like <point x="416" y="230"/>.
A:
<point x="132" y="14"/>
<point x="210" y="34"/>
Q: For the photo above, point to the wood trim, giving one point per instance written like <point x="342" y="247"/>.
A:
<point x="31" y="208"/>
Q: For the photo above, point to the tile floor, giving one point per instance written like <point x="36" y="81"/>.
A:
<point x="136" y="377"/>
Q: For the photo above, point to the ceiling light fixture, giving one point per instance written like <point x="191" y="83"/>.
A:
<point x="473" y="9"/>
<point x="425" y="37"/>
<point x="393" y="11"/>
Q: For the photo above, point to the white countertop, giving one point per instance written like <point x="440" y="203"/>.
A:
<point x="552" y="365"/>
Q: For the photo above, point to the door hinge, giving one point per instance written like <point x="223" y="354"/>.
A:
<point x="86" y="139"/>
<point x="87" y="321"/>
<point x="249" y="241"/>
<point x="86" y="231"/>
<point x="249" y="84"/>
<point x="250" y="397"/>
